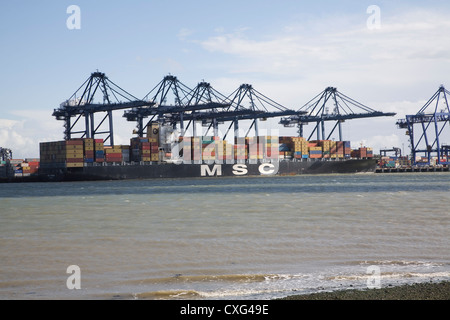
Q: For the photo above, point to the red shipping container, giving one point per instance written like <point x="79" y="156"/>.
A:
<point x="74" y="142"/>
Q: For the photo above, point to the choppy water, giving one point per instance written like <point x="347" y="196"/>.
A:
<point x="222" y="238"/>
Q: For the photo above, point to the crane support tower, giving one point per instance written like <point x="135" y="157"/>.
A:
<point x="428" y="128"/>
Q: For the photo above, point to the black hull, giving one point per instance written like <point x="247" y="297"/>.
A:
<point x="170" y="170"/>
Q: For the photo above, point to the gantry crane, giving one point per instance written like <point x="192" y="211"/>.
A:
<point x="396" y="151"/>
<point x="318" y="111"/>
<point x="206" y="105"/>
<point x="433" y="120"/>
<point x="260" y="107"/>
<point x="97" y="94"/>
<point x="186" y="103"/>
<point x="245" y="103"/>
<point x="200" y="104"/>
<point x="5" y="154"/>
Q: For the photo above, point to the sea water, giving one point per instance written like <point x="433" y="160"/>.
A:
<point x="222" y="238"/>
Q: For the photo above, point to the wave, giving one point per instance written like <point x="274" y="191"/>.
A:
<point x="168" y="295"/>
<point x="390" y="275"/>
<point x="400" y="263"/>
<point x="241" y="293"/>
<point x="265" y="286"/>
<point x="235" y="278"/>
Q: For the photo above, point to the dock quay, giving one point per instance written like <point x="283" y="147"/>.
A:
<point x="412" y="169"/>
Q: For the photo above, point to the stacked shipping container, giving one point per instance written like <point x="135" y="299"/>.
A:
<point x="300" y="148"/>
<point x="89" y="150"/>
<point x="99" y="148"/>
<point x="240" y="149"/>
<point x="113" y="154"/>
<point x="75" y="153"/>
<point x="144" y="150"/>
<point x="209" y="147"/>
<point x="78" y="152"/>
<point x="362" y="153"/>
<point x="272" y="147"/>
<point x="22" y="168"/>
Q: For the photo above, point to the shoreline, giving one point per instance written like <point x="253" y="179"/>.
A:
<point x="417" y="291"/>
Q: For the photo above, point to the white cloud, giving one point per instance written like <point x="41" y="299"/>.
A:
<point x="185" y="33"/>
<point x="405" y="47"/>
<point x="392" y="69"/>
<point x="23" y="136"/>
<point x="13" y="136"/>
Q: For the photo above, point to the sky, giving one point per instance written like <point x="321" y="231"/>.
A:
<point x="289" y="50"/>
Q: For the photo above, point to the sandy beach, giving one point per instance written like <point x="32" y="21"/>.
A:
<point x="420" y="291"/>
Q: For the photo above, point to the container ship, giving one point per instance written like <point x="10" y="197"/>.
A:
<point x="191" y="157"/>
<point x="74" y="160"/>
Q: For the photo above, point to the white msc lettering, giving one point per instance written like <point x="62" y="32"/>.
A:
<point x="216" y="170"/>
<point x="240" y="170"/>
<point x="263" y="171"/>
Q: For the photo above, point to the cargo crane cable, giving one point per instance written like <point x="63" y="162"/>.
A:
<point x="187" y="103"/>
<point x="161" y="90"/>
<point x="254" y="96"/>
<point x="204" y="103"/>
<point x="260" y="107"/>
<point x="95" y="82"/>
<point x="204" y="94"/>
<point x="343" y="104"/>
<point x="345" y="108"/>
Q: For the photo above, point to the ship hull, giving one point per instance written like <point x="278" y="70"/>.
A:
<point x="171" y="170"/>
